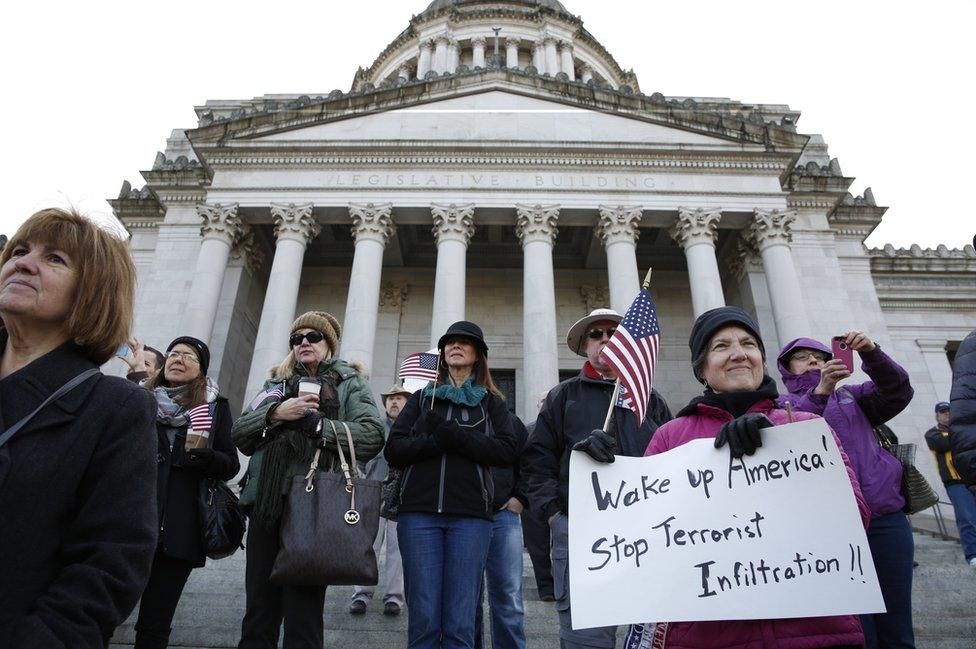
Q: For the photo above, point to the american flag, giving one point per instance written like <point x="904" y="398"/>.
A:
<point x="632" y="352"/>
<point x="277" y="391"/>
<point x="200" y="419"/>
<point x="422" y="365"/>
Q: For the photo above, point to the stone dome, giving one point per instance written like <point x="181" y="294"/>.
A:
<point x="438" y="5"/>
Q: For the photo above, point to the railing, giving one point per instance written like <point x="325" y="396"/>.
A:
<point x="940" y="521"/>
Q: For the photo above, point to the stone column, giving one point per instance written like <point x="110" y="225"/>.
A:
<point x="294" y="227"/>
<point x="511" y="53"/>
<point x="372" y="227"/>
<point x="440" y="54"/>
<point x="453" y="56"/>
<point x="404" y="72"/>
<point x="536" y="230"/>
<point x="566" y="59"/>
<point x="221" y="230"/>
<point x="478" y="52"/>
<point x="552" y="55"/>
<point x="586" y="73"/>
<point x="539" y="56"/>
<point x="424" y="59"/>
<point x="453" y="229"/>
<point x="695" y="231"/>
<point x="770" y="234"/>
<point x="618" y="231"/>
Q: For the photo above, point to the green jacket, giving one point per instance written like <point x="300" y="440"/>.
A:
<point x="356" y="408"/>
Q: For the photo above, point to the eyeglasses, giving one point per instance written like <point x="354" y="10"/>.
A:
<point x="312" y="337"/>
<point x="183" y="356"/>
<point x="597" y="334"/>
<point x="807" y="355"/>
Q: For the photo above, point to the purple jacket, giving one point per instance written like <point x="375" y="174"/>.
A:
<point x="853" y="411"/>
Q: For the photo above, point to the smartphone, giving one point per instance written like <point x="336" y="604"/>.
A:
<point x="123" y="351"/>
<point x="842" y="351"/>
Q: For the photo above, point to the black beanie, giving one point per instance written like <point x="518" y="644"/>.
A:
<point x="711" y="321"/>
<point x="203" y="352"/>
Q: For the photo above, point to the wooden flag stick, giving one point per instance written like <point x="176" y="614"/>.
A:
<point x="613" y="402"/>
<point x="433" y="392"/>
<point x="647" y="279"/>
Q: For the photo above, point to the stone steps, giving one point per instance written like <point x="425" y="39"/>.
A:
<point x="212" y="606"/>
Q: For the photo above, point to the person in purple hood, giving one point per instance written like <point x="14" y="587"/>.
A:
<point x="811" y="375"/>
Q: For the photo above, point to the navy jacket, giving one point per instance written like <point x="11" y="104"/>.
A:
<point x="963" y="410"/>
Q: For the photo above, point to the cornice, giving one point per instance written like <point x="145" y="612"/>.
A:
<point x="923" y="260"/>
<point x="137" y="208"/>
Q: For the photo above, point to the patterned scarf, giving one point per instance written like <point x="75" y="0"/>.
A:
<point x="171" y="413"/>
<point x="466" y="394"/>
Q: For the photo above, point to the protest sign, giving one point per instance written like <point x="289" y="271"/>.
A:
<point x="693" y="534"/>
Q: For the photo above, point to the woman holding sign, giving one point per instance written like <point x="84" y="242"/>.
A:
<point x="740" y="399"/>
<point x="193" y="424"/>
<point x="445" y="438"/>
<point x="811" y="374"/>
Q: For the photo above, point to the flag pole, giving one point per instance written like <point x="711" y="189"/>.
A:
<point x="647" y="280"/>
<point x="616" y="386"/>
<point x="433" y="392"/>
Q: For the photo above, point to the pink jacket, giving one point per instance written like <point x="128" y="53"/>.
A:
<point x="793" y="633"/>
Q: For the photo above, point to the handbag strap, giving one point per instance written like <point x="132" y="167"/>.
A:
<point x="64" y="389"/>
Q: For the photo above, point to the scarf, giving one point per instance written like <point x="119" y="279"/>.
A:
<point x="171" y="413"/>
<point x="734" y="403"/>
<point x="466" y="394"/>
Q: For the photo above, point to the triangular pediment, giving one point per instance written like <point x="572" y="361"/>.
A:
<point x="499" y="116"/>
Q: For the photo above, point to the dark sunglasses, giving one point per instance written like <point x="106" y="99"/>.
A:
<point x="312" y="337"/>
<point x="597" y="334"/>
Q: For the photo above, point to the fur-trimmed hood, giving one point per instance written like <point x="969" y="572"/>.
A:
<point x="286" y="369"/>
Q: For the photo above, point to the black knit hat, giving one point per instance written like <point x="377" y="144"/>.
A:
<point x="468" y="330"/>
<point x="203" y="352"/>
<point x="711" y="321"/>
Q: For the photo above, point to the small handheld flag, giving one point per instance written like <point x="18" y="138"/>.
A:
<point x="632" y="353"/>
<point x="422" y="365"/>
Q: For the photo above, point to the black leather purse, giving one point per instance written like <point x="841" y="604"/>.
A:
<point x="221" y="519"/>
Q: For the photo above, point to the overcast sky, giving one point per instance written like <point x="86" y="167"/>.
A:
<point x="93" y="88"/>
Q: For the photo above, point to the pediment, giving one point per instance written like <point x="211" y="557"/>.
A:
<point x="501" y="117"/>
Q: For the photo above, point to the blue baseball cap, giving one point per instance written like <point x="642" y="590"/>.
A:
<point x="942" y="406"/>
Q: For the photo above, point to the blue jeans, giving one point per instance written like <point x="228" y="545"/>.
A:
<point x="443" y="561"/>
<point x="965" y="505"/>
<point x="504" y="575"/>
<point x="893" y="549"/>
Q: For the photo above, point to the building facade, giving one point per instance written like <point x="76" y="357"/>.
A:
<point x="496" y="163"/>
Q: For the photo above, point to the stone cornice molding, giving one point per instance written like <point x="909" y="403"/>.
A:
<point x="248" y="249"/>
<point x="294" y="222"/>
<point x="696" y="226"/>
<point x="594" y="297"/>
<point x="220" y="222"/>
<point x="536" y="223"/>
<point x="394" y="294"/>
<point x="771" y="228"/>
<point x="372" y="222"/>
<point x="453" y="222"/>
<point x="918" y="260"/>
<point x="619" y="223"/>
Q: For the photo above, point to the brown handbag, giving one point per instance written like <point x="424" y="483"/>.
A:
<point x="329" y="525"/>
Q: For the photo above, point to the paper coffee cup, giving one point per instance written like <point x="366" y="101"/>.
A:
<point x="308" y="386"/>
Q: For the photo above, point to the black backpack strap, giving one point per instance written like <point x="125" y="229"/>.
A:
<point x="64" y="389"/>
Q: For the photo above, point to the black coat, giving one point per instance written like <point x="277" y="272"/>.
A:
<point x="77" y="504"/>
<point x="455" y="482"/>
<point x="178" y="484"/>
<point x="574" y="409"/>
<point x="963" y="410"/>
<point x="508" y="480"/>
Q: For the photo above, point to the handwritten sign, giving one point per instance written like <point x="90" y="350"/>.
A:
<point x="693" y="535"/>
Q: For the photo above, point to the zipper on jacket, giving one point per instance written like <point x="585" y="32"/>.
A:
<point x="484" y="491"/>
<point x="440" y="494"/>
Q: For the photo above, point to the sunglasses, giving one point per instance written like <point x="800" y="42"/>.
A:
<point x="597" y="334"/>
<point x="312" y="337"/>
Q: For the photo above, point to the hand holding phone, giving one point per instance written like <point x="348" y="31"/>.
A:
<point x="843" y="352"/>
<point x="123" y="351"/>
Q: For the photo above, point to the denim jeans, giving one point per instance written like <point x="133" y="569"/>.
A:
<point x="443" y="563"/>
<point x="503" y="573"/>
<point x="964" y="504"/>
<point x="893" y="549"/>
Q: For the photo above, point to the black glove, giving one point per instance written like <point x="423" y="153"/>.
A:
<point x="742" y="434"/>
<point x="448" y="435"/>
<point x="200" y="455"/>
<point x="427" y="423"/>
<point x="600" y="446"/>
<point x="307" y="425"/>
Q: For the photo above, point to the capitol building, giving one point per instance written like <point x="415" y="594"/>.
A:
<point x="496" y="163"/>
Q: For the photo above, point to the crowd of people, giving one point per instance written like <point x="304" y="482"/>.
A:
<point x="88" y="529"/>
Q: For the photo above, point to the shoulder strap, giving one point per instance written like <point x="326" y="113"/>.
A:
<point x="64" y="389"/>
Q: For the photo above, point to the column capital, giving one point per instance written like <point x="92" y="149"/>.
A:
<point x="453" y="222"/>
<point x="372" y="222"/>
<point x="394" y="294"/>
<point x="695" y="226"/>
<point x="594" y="297"/>
<point x="586" y="67"/>
<point x="248" y="249"/>
<point x="536" y="223"/>
<point x="771" y="228"/>
<point x="743" y="259"/>
<point x="619" y="223"/>
<point x="443" y="38"/>
<point x="427" y="44"/>
<point x="547" y="40"/>
<point x="479" y="41"/>
<point x="294" y="222"/>
<point x="220" y="222"/>
<point x="566" y="46"/>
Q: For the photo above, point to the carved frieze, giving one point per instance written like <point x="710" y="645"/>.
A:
<point x="536" y="223"/>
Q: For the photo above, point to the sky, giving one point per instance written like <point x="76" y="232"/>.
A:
<point x="93" y="89"/>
